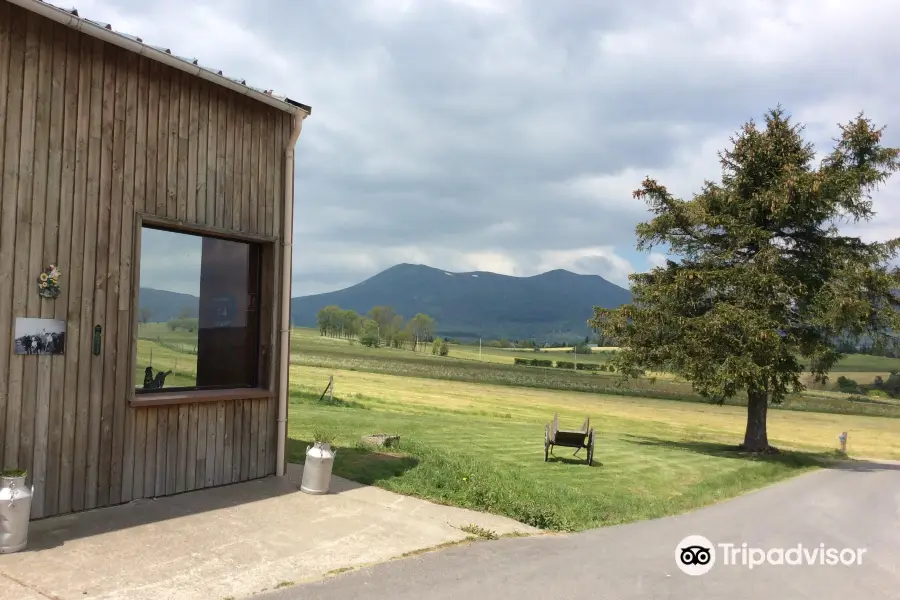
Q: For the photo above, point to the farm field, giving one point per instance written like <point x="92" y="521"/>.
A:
<point x="472" y="431"/>
<point x="481" y="446"/>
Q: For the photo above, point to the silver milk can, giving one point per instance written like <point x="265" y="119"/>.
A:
<point x="317" y="469"/>
<point x="15" y="513"/>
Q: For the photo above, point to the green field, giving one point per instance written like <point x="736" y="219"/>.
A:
<point x="472" y="431"/>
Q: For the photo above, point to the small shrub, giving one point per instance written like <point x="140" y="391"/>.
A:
<point x="603" y="367"/>
<point x="587" y="366"/>
<point x="847" y="385"/>
<point x="323" y="436"/>
<point x="536" y="362"/>
<point x="563" y="364"/>
<point x="479" y="531"/>
<point x="521" y="361"/>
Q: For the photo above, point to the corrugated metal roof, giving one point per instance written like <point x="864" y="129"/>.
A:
<point x="214" y="75"/>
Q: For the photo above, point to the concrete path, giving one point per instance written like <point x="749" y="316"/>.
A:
<point x="228" y="542"/>
<point x="854" y="506"/>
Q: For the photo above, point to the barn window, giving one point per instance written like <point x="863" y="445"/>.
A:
<point x="198" y="312"/>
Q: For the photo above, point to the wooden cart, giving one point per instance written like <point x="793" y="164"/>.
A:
<point x="583" y="438"/>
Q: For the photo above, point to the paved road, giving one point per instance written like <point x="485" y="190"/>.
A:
<point x="846" y="507"/>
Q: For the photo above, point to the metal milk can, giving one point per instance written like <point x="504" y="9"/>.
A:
<point x="15" y="513"/>
<point x="317" y="469"/>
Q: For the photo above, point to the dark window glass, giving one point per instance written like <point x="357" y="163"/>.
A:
<point x="198" y="312"/>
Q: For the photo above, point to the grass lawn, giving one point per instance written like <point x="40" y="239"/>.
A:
<point x="472" y="431"/>
<point x="481" y="446"/>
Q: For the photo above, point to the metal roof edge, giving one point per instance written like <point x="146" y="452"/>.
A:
<point x="104" y="32"/>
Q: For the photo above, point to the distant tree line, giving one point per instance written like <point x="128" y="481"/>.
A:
<point x="877" y="348"/>
<point x="878" y="387"/>
<point x="381" y="326"/>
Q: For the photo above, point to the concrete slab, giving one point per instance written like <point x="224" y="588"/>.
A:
<point x="228" y="542"/>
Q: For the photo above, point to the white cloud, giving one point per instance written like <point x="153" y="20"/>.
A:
<point x="508" y="135"/>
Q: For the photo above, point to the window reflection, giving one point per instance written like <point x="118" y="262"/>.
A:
<point x="198" y="319"/>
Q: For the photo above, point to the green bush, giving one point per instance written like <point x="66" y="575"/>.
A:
<point x="563" y="364"/>
<point x="537" y="362"/>
<point x="521" y="361"/>
<point x="587" y="366"/>
<point x="847" y="385"/>
<point x="440" y="347"/>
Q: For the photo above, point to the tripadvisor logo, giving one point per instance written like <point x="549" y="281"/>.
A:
<point x="696" y="555"/>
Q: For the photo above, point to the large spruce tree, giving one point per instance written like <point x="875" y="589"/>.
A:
<point x="763" y="281"/>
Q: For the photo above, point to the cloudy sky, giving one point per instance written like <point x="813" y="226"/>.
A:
<point x="507" y="135"/>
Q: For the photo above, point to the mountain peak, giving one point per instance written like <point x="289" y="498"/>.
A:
<point x="552" y="306"/>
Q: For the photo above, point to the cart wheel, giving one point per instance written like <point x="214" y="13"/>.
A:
<point x="590" y="449"/>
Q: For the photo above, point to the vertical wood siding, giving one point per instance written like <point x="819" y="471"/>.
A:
<point x="91" y="136"/>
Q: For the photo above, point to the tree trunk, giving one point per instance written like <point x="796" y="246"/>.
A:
<point x="755" y="438"/>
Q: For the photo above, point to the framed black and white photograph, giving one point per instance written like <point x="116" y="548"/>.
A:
<point x="40" y="336"/>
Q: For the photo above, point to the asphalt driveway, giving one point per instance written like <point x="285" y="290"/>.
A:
<point x="854" y="506"/>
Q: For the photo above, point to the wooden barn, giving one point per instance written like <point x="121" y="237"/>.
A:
<point x="130" y="175"/>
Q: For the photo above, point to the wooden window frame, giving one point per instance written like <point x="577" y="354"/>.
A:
<point x="268" y="320"/>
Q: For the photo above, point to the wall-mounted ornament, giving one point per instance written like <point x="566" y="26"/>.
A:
<point x="48" y="282"/>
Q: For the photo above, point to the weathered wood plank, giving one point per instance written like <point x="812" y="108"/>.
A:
<point x="278" y="198"/>
<point x="20" y="401"/>
<point x="164" y="89"/>
<point x="141" y="150"/>
<point x="260" y="151"/>
<point x="51" y="370"/>
<point x="247" y="424"/>
<point x="44" y="241"/>
<point x="153" y="194"/>
<point x="172" y="153"/>
<point x="193" y="151"/>
<point x="108" y="406"/>
<point x="261" y="465"/>
<point x="248" y="174"/>
<point x="268" y="148"/>
<point x="271" y="436"/>
<point x="140" y="452"/>
<point x="7" y="215"/>
<point x="151" y="451"/>
<point x="211" y="152"/>
<point x="220" y="443"/>
<point x="203" y="122"/>
<point x="62" y="396"/>
<point x="240" y="174"/>
<point x="182" y="451"/>
<point x="89" y="405"/>
<point x="190" y="481"/>
<point x="254" y="439"/>
<point x="211" y="430"/>
<point x="74" y="443"/>
<point x="237" y="444"/>
<point x="172" y="451"/>
<point x="232" y="123"/>
<point x="181" y="167"/>
<point x="200" y="456"/>
<point x="124" y="425"/>
<point x="162" y="437"/>
<point x="228" y="447"/>
<point x="222" y="152"/>
<point x="100" y="434"/>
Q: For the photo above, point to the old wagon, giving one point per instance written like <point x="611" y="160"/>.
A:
<point x="580" y="439"/>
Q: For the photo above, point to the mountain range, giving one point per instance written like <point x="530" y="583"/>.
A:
<point x="552" y="306"/>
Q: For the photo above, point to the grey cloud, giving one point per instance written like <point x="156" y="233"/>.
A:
<point x="453" y="131"/>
